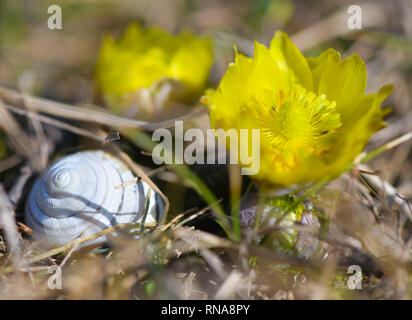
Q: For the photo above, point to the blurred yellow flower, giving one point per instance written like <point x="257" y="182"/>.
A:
<point x="313" y="115"/>
<point x="146" y="59"/>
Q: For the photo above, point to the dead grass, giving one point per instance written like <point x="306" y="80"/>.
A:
<point x="365" y="215"/>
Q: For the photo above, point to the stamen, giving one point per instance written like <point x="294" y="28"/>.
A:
<point x="297" y="123"/>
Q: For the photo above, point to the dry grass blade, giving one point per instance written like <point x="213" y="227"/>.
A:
<point x="336" y="26"/>
<point x="200" y="239"/>
<point x="73" y="248"/>
<point x="10" y="162"/>
<point x="75" y="242"/>
<point x="127" y="183"/>
<point x="396" y="128"/>
<point x="141" y="174"/>
<point x="16" y="192"/>
<point x="56" y="123"/>
<point x="195" y="215"/>
<point x="8" y="224"/>
<point x="367" y="156"/>
<point x="21" y="142"/>
<point x="386" y="188"/>
<point x="41" y="139"/>
<point x="98" y="116"/>
<point x="214" y="262"/>
<point x="171" y="222"/>
<point x="194" y="240"/>
<point x="229" y="287"/>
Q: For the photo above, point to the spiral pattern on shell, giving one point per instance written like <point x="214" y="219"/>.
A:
<point x="79" y="193"/>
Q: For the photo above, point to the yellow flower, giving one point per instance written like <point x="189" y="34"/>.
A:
<point x="313" y="115"/>
<point x="143" y="59"/>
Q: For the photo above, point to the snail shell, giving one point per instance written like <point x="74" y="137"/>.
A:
<point x="78" y="193"/>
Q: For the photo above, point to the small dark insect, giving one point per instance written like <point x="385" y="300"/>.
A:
<point x="113" y="136"/>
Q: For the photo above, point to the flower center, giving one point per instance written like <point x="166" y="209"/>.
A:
<point x="296" y="124"/>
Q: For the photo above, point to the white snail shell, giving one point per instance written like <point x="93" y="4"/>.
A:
<point x="78" y="194"/>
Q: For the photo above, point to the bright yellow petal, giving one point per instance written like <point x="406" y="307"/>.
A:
<point x="313" y="116"/>
<point x="356" y="134"/>
<point x="318" y="64"/>
<point x="143" y="58"/>
<point x="290" y="60"/>
<point x="265" y="76"/>
<point x="191" y="64"/>
<point x="224" y="102"/>
<point x="343" y="81"/>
